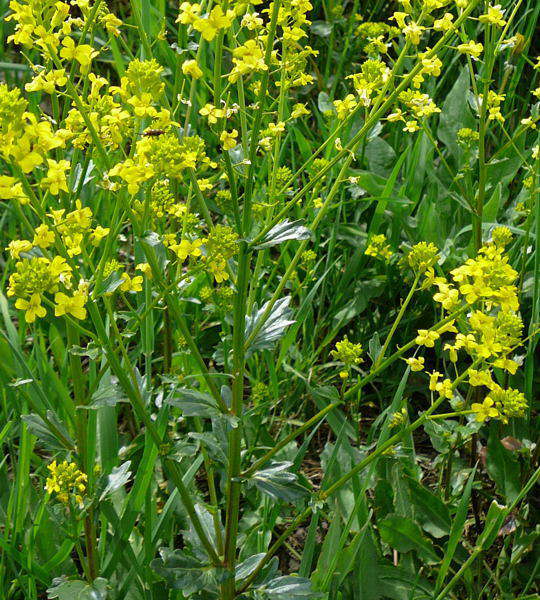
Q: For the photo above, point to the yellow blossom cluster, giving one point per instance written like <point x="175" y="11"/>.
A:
<point x="67" y="481"/>
<point x="481" y="298"/>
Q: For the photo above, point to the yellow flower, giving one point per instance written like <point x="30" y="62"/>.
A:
<point x="345" y="107"/>
<point x="31" y="307"/>
<point x="247" y="58"/>
<point x="471" y="48"/>
<point x="298" y="110"/>
<point x="189" y="13"/>
<point x="445" y="23"/>
<point x="190" y="67"/>
<point x="98" y="234"/>
<point x="83" y="53"/>
<point x="413" y="32"/>
<point x="433" y="380"/>
<point x="447" y="296"/>
<point x="228" y="139"/>
<point x="112" y="24"/>
<point x="10" y="188"/>
<point x="484" y="411"/>
<point x="215" y="21"/>
<point x="145" y="269"/>
<point x="480" y="378"/>
<point x="66" y="481"/>
<point x="411" y="126"/>
<point x="56" y="176"/>
<point x="131" y="284"/>
<point x="47" y="82"/>
<point x="186" y="248"/>
<point x="43" y="236"/>
<point x="507" y="364"/>
<point x="426" y="338"/>
<point x="445" y="389"/>
<point x="212" y="113"/>
<point x="416" y="364"/>
<point x="494" y="16"/>
<point x="66" y="305"/>
<point x="15" y="247"/>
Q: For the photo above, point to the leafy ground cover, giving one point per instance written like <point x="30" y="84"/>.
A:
<point x="270" y="296"/>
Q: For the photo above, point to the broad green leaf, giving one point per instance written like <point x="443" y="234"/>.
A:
<point x="405" y="535"/>
<point x="118" y="477"/>
<point x="78" y="590"/>
<point x="324" y="103"/>
<point x="193" y="403"/>
<point x="432" y="514"/>
<point x="286" y="230"/>
<point x="279" y="483"/>
<point x="108" y="393"/>
<point x="494" y="520"/>
<point x="246" y="567"/>
<point x="321" y="28"/>
<point x="182" y="571"/>
<point x="274" y="326"/>
<point x="286" y="587"/>
<point x="455" y="113"/>
<point x="456" y="531"/>
<point x="502" y="467"/>
<point x="51" y="433"/>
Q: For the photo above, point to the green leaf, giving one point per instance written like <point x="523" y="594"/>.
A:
<point x="109" y="284"/>
<point x="324" y="103"/>
<point x="286" y="230"/>
<point x="278" y="483"/>
<point x="182" y="571"/>
<point x="456" y="531"/>
<point x="43" y="431"/>
<point x="273" y="328"/>
<point x="455" y="113"/>
<point x="193" y="403"/>
<point x="246" y="568"/>
<point x="108" y="393"/>
<point x="92" y="351"/>
<point x="78" y="590"/>
<point x="380" y="156"/>
<point x="118" y="477"/>
<point x="494" y="520"/>
<point x="491" y="208"/>
<point x="321" y="28"/>
<point x="432" y="513"/>
<point x="502" y="467"/>
<point x="401" y="584"/>
<point x="405" y="535"/>
<point x="286" y="588"/>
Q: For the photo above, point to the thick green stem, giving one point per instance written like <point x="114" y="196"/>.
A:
<point x="244" y="261"/>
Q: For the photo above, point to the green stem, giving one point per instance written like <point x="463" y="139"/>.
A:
<point x="324" y="495"/>
<point x="487" y="534"/>
<point x="79" y="397"/>
<point x="397" y="321"/>
<point x="392" y="358"/>
<point x="289" y="438"/>
<point x="233" y="486"/>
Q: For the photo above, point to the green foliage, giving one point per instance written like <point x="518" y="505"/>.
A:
<point x="260" y="270"/>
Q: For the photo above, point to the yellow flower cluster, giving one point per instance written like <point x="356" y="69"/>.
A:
<point x="482" y="293"/>
<point x="67" y="481"/>
<point x="349" y="354"/>
<point x="378" y="247"/>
